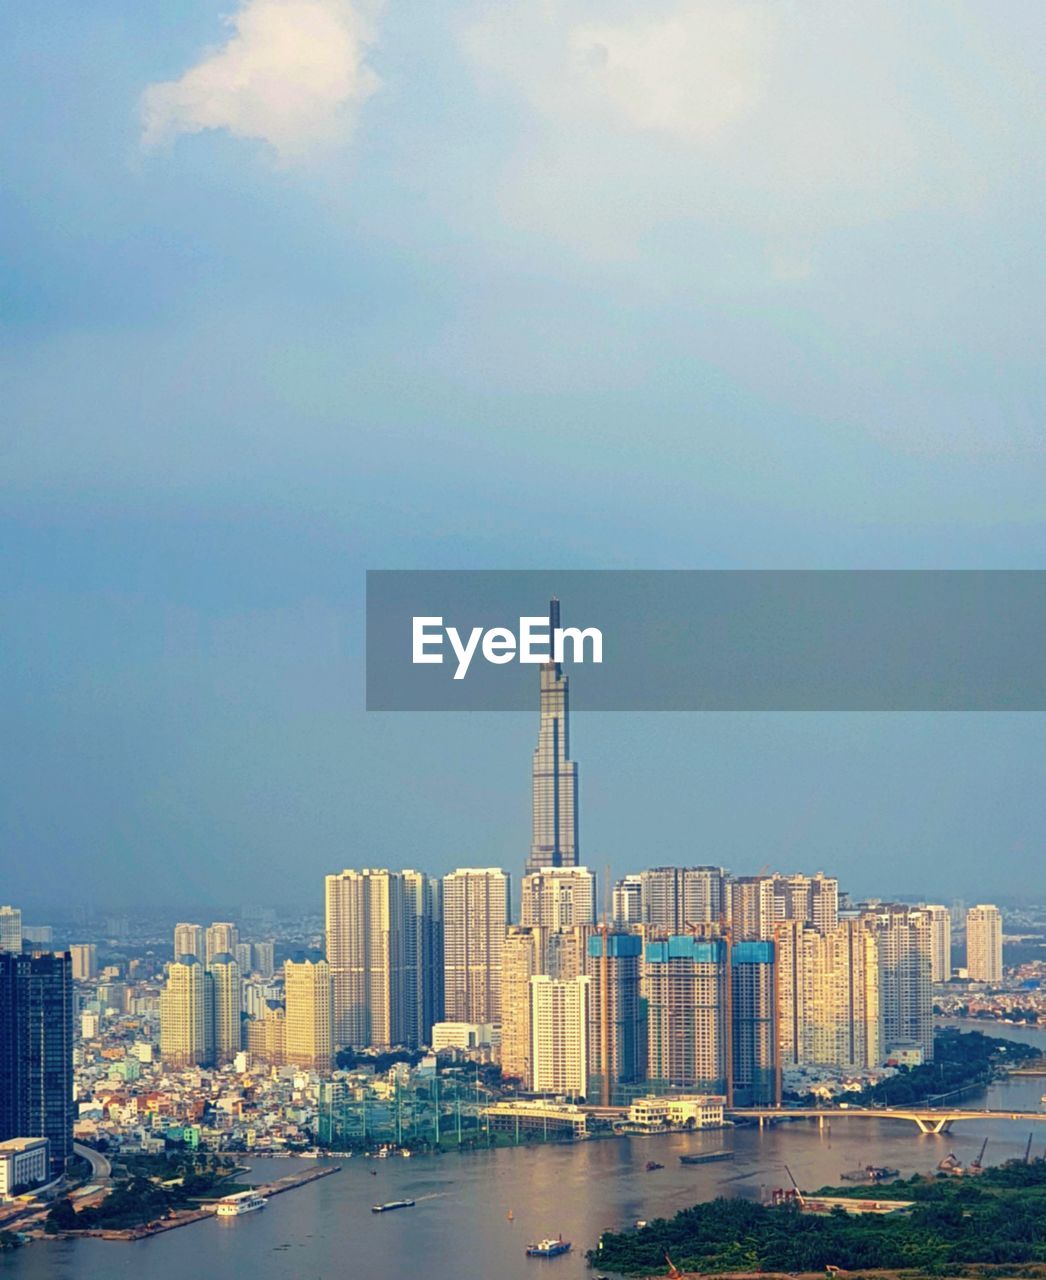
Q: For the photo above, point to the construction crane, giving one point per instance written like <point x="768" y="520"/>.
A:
<point x="798" y="1193"/>
<point x="1027" y="1151"/>
<point x="673" y="1271"/>
<point x="978" y="1162"/>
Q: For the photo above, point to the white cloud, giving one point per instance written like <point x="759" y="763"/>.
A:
<point x="652" y="123"/>
<point x="687" y="72"/>
<point x="292" y="73"/>
<point x="690" y="73"/>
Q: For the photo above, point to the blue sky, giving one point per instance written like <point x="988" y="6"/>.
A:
<point x="293" y="288"/>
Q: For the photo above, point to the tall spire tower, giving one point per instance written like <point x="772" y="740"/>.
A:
<point x="554" y="777"/>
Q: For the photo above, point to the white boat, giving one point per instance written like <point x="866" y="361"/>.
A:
<point x="241" y="1202"/>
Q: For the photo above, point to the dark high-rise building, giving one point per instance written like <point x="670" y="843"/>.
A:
<point x="36" y="1050"/>
<point x="554" y="779"/>
<point x="754" y="1017"/>
<point x="617" y="1018"/>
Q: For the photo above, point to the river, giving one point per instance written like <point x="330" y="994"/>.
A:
<point x="459" y="1229"/>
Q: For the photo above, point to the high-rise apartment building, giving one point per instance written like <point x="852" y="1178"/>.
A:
<point x="687" y="1023"/>
<point x="751" y="908"/>
<point x="753" y="1029"/>
<point x="828" y="993"/>
<point x="84" y="956"/>
<point x="227" y="1002"/>
<point x="559" y="1017"/>
<point x="264" y="957"/>
<point x="628" y="901"/>
<point x="267" y="1034"/>
<point x="189" y="941"/>
<point x="984" y="943"/>
<point x="10" y="929"/>
<point x="905" y="939"/>
<point x="423" y="910"/>
<point x="941" y="933"/>
<point x="554" y="786"/>
<point x="522" y="959"/>
<point x="36" y="1050"/>
<point x="307" y="1020"/>
<point x="382" y="948"/>
<point x="187" y="1015"/>
<point x="222" y="936"/>
<point x="475" y="918"/>
<point x="617" y="1017"/>
<point x="812" y="900"/>
<point x="559" y="897"/>
<point x="674" y="898"/>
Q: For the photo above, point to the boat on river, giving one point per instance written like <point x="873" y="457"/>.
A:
<point x="392" y="1204"/>
<point x="548" y="1248"/>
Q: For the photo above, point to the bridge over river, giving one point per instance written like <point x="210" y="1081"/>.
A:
<point x="927" y="1119"/>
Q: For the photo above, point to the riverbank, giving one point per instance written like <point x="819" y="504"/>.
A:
<point x="987" y="1272"/>
<point x="937" y="1224"/>
<point x="186" y="1217"/>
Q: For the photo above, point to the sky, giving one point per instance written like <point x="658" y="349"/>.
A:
<point x="291" y="289"/>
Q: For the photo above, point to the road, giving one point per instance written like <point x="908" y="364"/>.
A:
<point x="101" y="1169"/>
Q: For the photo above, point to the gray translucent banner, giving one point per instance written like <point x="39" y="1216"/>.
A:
<point x="723" y="640"/>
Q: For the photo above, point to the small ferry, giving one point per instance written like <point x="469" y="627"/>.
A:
<point x="652" y="1165"/>
<point x="392" y="1204"/>
<point x="242" y="1202"/>
<point x="548" y="1248"/>
<point x="706" y="1157"/>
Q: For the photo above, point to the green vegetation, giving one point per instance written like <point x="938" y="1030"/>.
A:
<point x="154" y="1188"/>
<point x="379" y="1063"/>
<point x="998" y="1218"/>
<point x="963" y="1060"/>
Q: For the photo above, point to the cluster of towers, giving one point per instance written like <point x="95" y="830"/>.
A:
<point x="691" y="979"/>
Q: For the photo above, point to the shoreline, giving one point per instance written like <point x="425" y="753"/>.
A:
<point x="186" y="1217"/>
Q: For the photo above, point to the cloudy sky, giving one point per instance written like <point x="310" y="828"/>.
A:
<point x="294" y="288"/>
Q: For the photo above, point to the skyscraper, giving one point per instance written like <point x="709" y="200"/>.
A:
<point x="10" y="929"/>
<point x="941" y="931"/>
<point x="628" y="900"/>
<point x="423" y="911"/>
<point x="187" y="1015"/>
<point x="617" y="1017"/>
<point x="559" y="897"/>
<point x="521" y="960"/>
<point x="559" y="1029"/>
<point x="687" y="1031"/>
<point x="307" y="1018"/>
<point x="812" y="900"/>
<point x="828" y="993"/>
<point x="984" y="943"/>
<point x="554" y="789"/>
<point x="674" y="898"/>
<point x="751" y="907"/>
<point x="227" y="997"/>
<point x="188" y="941"/>
<point x="905" y="987"/>
<point x="85" y="961"/>
<point x="475" y="918"/>
<point x="753" y="1012"/>
<point x="36" y="1050"/>
<point x="263" y="956"/>
<point x="382" y="948"/>
<point x="222" y="936"/>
